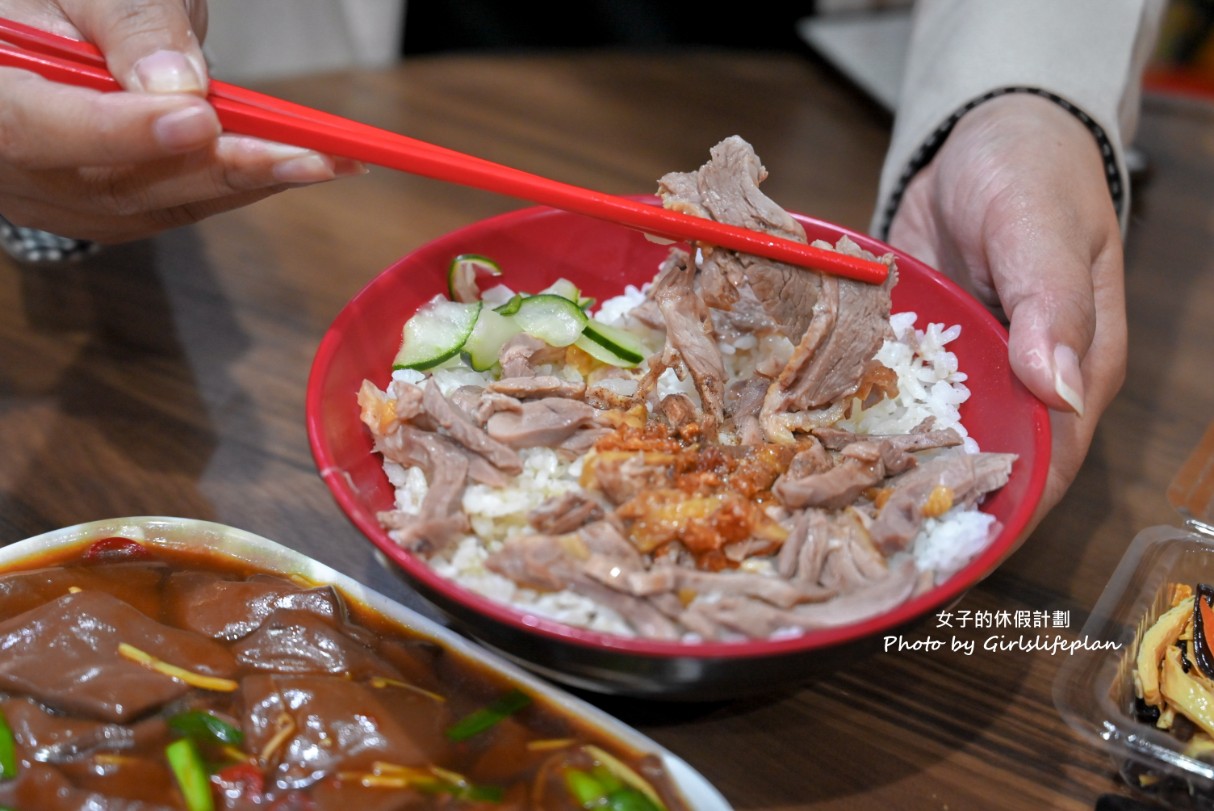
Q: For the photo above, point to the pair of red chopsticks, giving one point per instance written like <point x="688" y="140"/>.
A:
<point x="246" y="112"/>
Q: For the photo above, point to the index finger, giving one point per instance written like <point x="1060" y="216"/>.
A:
<point x="46" y="125"/>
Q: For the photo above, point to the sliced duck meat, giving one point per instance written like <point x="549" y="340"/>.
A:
<point x="491" y="402"/>
<point x="782" y="593"/>
<point x="811" y="457"/>
<point x="581" y="441"/>
<point x="530" y="387"/>
<point x="447" y="468"/>
<point x="853" y="560"/>
<point x="410" y="446"/>
<point x="860" y="466"/>
<point x="726" y="189"/>
<point x="541" y="562"/>
<point x="911" y="442"/>
<point x="645" y="616"/>
<point x="837" y="324"/>
<point x="933" y="488"/>
<point x="444" y="464"/>
<point x="849" y="323"/>
<point x="565" y="513"/>
<point x="680" y="413"/>
<point x="460" y="427"/>
<point x="620" y="475"/>
<point x="804" y="551"/>
<point x="423" y="532"/>
<point x="545" y="423"/>
<point x="468" y="400"/>
<point x="759" y="619"/>
<point x="833" y="488"/>
<point x="559" y="562"/>
<point x="408" y="398"/>
<point x="515" y="355"/>
<point x="605" y="538"/>
<point x="690" y="338"/>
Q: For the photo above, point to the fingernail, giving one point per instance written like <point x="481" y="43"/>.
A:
<point x="312" y="167"/>
<point x="1068" y="380"/>
<point x="309" y="167"/>
<point x="187" y="129"/>
<point x="348" y="167"/>
<point x="168" y="72"/>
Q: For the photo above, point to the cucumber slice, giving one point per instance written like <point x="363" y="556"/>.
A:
<point x="611" y="345"/>
<point x="566" y="289"/>
<point x="511" y="305"/>
<point x="436" y="332"/>
<point x="553" y="319"/>
<point x="490" y="334"/>
<point x="563" y="288"/>
<point x="463" y="272"/>
<point x="497" y="295"/>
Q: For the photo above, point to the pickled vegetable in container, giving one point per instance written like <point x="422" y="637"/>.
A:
<point x="1145" y="694"/>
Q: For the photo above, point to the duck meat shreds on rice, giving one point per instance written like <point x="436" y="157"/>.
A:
<point x="741" y="449"/>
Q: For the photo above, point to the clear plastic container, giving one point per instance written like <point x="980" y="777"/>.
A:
<point x="1094" y="690"/>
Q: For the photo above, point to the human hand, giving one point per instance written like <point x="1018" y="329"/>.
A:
<point x="112" y="167"/>
<point x="1015" y="206"/>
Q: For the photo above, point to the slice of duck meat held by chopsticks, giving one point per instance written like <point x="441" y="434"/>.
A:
<point x="742" y="449"/>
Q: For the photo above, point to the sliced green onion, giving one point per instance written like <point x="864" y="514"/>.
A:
<point x="205" y="727"/>
<point x="191" y="775"/>
<point x="586" y="790"/>
<point x="8" y="750"/>
<point x="622" y="781"/>
<point x="629" y="799"/>
<point x="600" y="789"/>
<point x="486" y="717"/>
<point x="468" y="791"/>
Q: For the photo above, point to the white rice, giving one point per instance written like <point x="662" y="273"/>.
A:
<point x="929" y="385"/>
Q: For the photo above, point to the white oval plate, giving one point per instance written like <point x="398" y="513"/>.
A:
<point x="238" y="545"/>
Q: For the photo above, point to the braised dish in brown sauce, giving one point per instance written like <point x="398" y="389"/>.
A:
<point x="139" y="678"/>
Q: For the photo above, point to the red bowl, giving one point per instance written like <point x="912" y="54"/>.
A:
<point x="537" y="246"/>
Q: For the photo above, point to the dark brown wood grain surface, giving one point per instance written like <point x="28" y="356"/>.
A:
<point x="167" y="377"/>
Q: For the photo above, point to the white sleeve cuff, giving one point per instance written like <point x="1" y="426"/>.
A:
<point x="1087" y="55"/>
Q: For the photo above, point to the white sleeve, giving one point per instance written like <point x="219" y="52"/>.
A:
<point x="1087" y="55"/>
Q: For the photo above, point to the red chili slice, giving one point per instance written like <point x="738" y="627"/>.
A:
<point x="245" y="780"/>
<point x="115" y="549"/>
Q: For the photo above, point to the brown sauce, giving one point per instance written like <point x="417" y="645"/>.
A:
<point x="290" y="697"/>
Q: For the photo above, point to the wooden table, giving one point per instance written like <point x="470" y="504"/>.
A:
<point x="167" y="377"/>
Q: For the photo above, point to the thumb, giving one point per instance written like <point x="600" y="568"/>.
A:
<point x="1051" y="310"/>
<point x="150" y="46"/>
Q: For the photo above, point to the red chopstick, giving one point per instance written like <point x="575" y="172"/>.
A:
<point x="244" y="111"/>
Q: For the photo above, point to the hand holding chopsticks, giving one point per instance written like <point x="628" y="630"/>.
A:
<point x="242" y="111"/>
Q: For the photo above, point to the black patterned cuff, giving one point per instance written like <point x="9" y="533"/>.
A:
<point x="927" y="150"/>
<point x="29" y="246"/>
